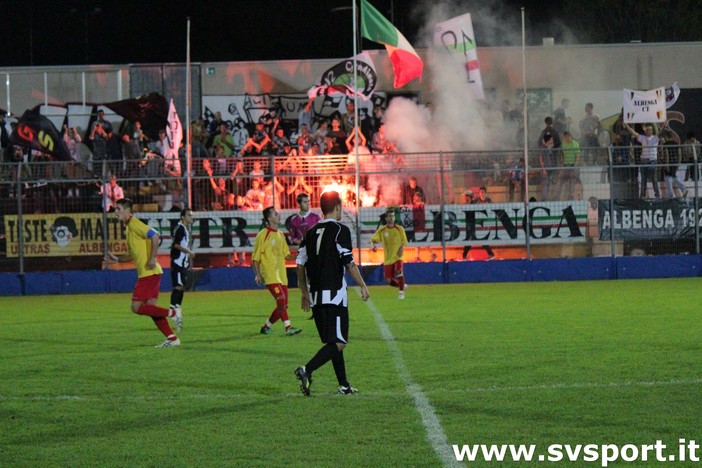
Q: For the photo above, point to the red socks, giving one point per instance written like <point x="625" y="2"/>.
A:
<point x="152" y="310"/>
<point x="158" y="314"/>
<point x="164" y="326"/>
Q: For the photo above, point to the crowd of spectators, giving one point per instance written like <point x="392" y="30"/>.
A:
<point x="240" y="166"/>
<point x="276" y="163"/>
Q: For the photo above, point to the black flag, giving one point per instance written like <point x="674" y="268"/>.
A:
<point x="34" y="131"/>
<point x="150" y="110"/>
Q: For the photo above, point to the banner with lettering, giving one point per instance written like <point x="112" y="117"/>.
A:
<point x="229" y="231"/>
<point x="64" y="235"/>
<point x="457" y="37"/>
<point x="663" y="219"/>
<point x="644" y="106"/>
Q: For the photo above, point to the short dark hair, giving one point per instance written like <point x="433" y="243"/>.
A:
<point x="184" y="211"/>
<point x="267" y="212"/>
<point x="125" y="203"/>
<point x="329" y="201"/>
<point x="548" y="120"/>
<point x="301" y="197"/>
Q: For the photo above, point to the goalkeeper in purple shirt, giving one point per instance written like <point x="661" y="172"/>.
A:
<point x="302" y="220"/>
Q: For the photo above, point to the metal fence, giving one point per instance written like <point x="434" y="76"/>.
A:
<point x="55" y="215"/>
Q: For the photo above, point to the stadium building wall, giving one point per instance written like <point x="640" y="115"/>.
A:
<point x="583" y="73"/>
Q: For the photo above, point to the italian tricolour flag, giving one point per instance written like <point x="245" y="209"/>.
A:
<point x="405" y="62"/>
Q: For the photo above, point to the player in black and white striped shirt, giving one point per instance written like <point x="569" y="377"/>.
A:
<point x="181" y="256"/>
<point x="324" y="256"/>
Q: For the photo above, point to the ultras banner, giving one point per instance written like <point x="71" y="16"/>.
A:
<point x="668" y="219"/>
<point x="228" y="231"/>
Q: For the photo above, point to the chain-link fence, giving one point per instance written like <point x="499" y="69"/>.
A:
<point x="463" y="206"/>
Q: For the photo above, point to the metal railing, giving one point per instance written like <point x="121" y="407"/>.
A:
<point x="54" y="214"/>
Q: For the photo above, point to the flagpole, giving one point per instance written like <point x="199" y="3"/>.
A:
<point x="354" y="7"/>
<point x="188" y="97"/>
<point x="526" y="140"/>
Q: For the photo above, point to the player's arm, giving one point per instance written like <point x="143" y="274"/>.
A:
<point x="295" y="234"/>
<point x="109" y="256"/>
<point x="256" y="264"/>
<point x="186" y="251"/>
<point x="154" y="237"/>
<point x="302" y="278"/>
<point x="356" y="275"/>
<point x="403" y="243"/>
<point x="375" y="238"/>
<point x="304" y="290"/>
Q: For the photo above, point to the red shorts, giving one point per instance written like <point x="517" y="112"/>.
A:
<point x="393" y="271"/>
<point x="276" y="289"/>
<point x="146" y="288"/>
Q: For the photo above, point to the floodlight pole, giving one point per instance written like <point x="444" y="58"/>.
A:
<point x="356" y="126"/>
<point x="527" y="218"/>
<point x="188" y="102"/>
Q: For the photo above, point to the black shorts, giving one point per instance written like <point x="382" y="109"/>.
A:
<point x="332" y="323"/>
<point x="178" y="275"/>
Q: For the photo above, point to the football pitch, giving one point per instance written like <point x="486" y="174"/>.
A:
<point x="599" y="362"/>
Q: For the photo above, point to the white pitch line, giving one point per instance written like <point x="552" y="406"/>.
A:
<point x="432" y="425"/>
<point x="371" y="394"/>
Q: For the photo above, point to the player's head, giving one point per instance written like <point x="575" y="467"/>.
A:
<point x="186" y="216"/>
<point x="123" y="209"/>
<point x="303" y="201"/>
<point x="390" y="216"/>
<point x="270" y="217"/>
<point x="330" y="203"/>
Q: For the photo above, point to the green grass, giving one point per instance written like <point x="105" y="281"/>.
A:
<point x="530" y="363"/>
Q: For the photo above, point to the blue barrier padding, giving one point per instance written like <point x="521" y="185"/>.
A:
<point x="663" y="266"/>
<point x="45" y="282"/>
<point x="573" y="269"/>
<point x="121" y="281"/>
<point x="83" y="282"/>
<point x="497" y="271"/>
<point x="424" y="273"/>
<point x="218" y="279"/>
<point x="10" y="284"/>
<point x="166" y="283"/>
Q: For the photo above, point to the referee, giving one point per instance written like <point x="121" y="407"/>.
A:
<point x="181" y="256"/>
<point x="324" y="254"/>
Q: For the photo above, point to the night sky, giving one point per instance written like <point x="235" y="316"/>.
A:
<point x="74" y="32"/>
